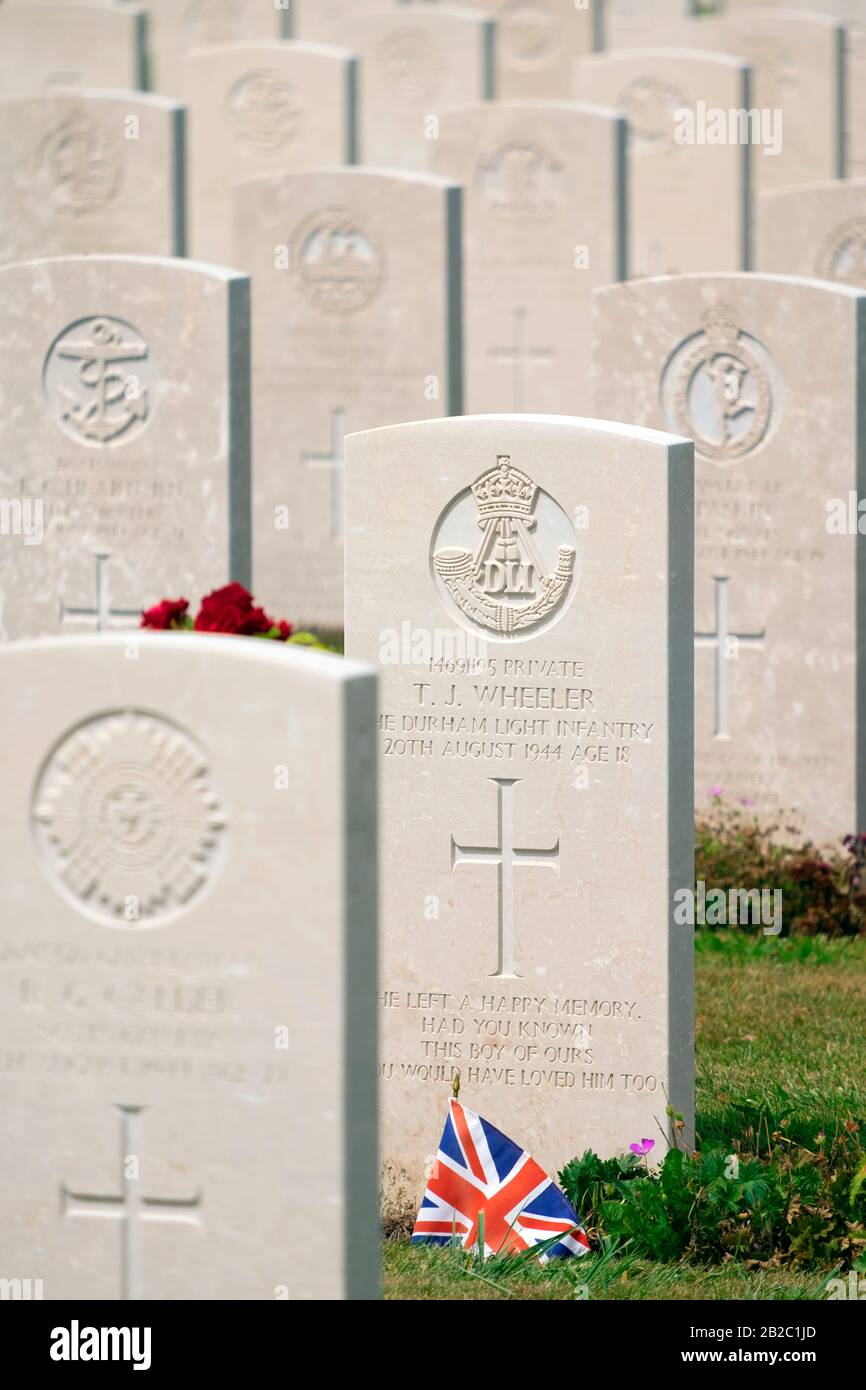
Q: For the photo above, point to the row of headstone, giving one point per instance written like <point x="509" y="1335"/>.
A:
<point x="555" y="203"/>
<point x="126" y="441"/>
<point x="538" y="41"/>
<point x="84" y="169"/>
<point x="190" y="1071"/>
<point x="525" y="588"/>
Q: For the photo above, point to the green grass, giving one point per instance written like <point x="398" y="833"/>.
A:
<point x="780" y="1048"/>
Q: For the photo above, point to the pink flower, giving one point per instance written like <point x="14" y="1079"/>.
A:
<point x="643" y="1147"/>
<point x="716" y="791"/>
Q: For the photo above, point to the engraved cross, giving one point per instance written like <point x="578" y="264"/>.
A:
<point x="106" y="616"/>
<point x="726" y="645"/>
<point x="521" y="357"/>
<point x="336" y="463"/>
<point x="130" y="1207"/>
<point x="507" y="856"/>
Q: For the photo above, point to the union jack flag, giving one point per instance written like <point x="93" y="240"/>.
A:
<point x="478" y="1169"/>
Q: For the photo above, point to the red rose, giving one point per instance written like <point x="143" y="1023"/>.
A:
<point x="171" y="612"/>
<point x="231" y="610"/>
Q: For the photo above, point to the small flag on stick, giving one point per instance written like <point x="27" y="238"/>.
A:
<point x="482" y="1182"/>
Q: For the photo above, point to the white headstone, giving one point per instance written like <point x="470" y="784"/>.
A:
<point x="416" y="62"/>
<point x="545" y="225"/>
<point x="798" y="62"/>
<point x="188" y="970"/>
<point x="265" y="108"/>
<point x="92" y="171"/>
<point x="634" y="23"/>
<point x="356" y="280"/>
<point x="689" y="201"/>
<point x="853" y="14"/>
<point x="44" y="45"/>
<point x="817" y="229"/>
<point x="766" y="374"/>
<point x="124" y="438"/>
<point x="323" y="20"/>
<point x="524" y="585"/>
<point x="175" y="27"/>
<point x="537" y="42"/>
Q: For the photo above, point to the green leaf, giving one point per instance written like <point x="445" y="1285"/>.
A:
<point x="857" y="1183"/>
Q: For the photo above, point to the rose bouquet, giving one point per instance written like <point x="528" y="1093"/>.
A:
<point x="231" y="610"/>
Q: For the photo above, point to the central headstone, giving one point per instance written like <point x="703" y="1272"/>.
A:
<point x="188" y="1055"/>
<point x="524" y="585"/>
<point x="124" y="438"/>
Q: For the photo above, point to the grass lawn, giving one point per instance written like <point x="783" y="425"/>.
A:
<point x="781" y="1047"/>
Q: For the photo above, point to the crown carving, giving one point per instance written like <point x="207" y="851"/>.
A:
<point x="504" y="492"/>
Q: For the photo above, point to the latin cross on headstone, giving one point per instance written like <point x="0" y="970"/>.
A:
<point x="335" y="462"/>
<point x="129" y="1206"/>
<point x="106" y="617"/>
<point x="507" y="856"/>
<point x="520" y="357"/>
<point x="726" y="645"/>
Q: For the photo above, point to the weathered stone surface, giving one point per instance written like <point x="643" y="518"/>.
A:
<point x="181" y="1035"/>
<point x="356" y="279"/>
<point x="766" y="374"/>
<point x="124" y="438"/>
<point x="689" y="201"/>
<point x="89" y="171"/>
<point x="545" y="224"/>
<point x="255" y="109"/>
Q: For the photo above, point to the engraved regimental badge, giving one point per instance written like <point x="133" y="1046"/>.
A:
<point x="263" y="111"/>
<point x="651" y="106"/>
<point x="126" y="820"/>
<point x="339" y="265"/>
<point x="529" y="30"/>
<point x="79" y="165"/>
<point x="842" y="254"/>
<point x="520" y="575"/>
<point x="717" y="389"/>
<point x="97" y="378"/>
<point x="520" y="181"/>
